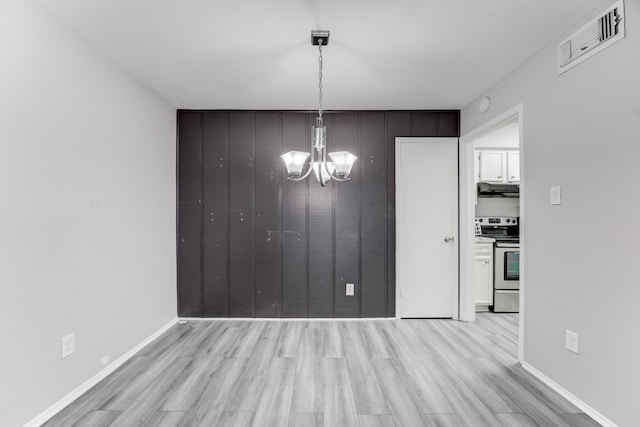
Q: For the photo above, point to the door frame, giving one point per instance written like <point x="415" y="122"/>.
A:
<point x="467" y="216"/>
<point x="398" y="208"/>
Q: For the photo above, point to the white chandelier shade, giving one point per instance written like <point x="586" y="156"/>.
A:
<point x="294" y="160"/>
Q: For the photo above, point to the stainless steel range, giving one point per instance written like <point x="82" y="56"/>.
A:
<point x="506" y="277"/>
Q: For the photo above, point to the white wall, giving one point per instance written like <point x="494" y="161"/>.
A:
<point x="87" y="211"/>
<point x="582" y="132"/>
<point x="505" y="136"/>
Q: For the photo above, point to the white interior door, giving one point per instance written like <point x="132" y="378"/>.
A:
<point x="427" y="227"/>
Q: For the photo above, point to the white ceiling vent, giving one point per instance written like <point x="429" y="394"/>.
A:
<point x="602" y="31"/>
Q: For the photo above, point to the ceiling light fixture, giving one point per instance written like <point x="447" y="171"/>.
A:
<point x="339" y="168"/>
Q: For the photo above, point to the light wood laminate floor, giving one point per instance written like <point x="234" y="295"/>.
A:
<point x="326" y="373"/>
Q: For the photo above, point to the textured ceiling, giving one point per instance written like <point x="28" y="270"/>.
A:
<point x="256" y="54"/>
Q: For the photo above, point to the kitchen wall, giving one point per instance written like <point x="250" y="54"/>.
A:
<point x="253" y="244"/>
<point x="87" y="211"/>
<point x="498" y="206"/>
<point x="581" y="132"/>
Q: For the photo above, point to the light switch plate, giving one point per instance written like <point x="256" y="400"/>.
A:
<point x="350" y="289"/>
<point x="556" y="195"/>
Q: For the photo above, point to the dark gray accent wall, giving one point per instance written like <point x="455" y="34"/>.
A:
<point x="253" y="244"/>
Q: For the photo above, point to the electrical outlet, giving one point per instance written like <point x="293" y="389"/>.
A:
<point x="68" y="345"/>
<point x="350" y="289"/>
<point x="571" y="341"/>
<point x="104" y="361"/>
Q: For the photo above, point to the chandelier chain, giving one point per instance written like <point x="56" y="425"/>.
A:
<point x="320" y="79"/>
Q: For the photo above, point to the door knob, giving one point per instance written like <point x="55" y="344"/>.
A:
<point x="448" y="239"/>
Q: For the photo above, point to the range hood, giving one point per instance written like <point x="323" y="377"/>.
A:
<point x="486" y="189"/>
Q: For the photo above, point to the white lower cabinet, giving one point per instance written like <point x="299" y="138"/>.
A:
<point x="484" y="276"/>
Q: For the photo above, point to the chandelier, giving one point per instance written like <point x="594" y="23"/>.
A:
<point x="341" y="162"/>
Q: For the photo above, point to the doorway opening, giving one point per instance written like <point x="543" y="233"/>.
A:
<point x="492" y="220"/>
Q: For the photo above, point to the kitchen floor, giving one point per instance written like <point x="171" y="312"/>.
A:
<point x="327" y="373"/>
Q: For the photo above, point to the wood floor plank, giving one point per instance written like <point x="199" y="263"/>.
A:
<point x="190" y="345"/>
<point x="496" y="347"/>
<point x="236" y="419"/>
<point x="414" y="375"/>
<point x="122" y="398"/>
<point x="409" y="337"/>
<point x="151" y="399"/>
<point x="526" y="401"/>
<point x="377" y="346"/>
<point x="224" y="343"/>
<point x="186" y="393"/>
<point x="463" y="400"/>
<point x="97" y="419"/>
<point x="542" y="392"/>
<point x="306" y="420"/>
<point x="376" y="420"/>
<point x="579" y="420"/>
<point x="477" y="378"/>
<point x="429" y="396"/>
<point x="246" y="343"/>
<point x="339" y="404"/>
<point x="246" y="394"/>
<point x="289" y="343"/>
<point x="515" y="420"/>
<point x="445" y="420"/>
<point x="443" y="347"/>
<point x="211" y="403"/>
<point x="165" y="419"/>
<point x="96" y="395"/>
<point x="214" y="331"/>
<point x="366" y="388"/>
<point x="400" y="400"/>
<point x="308" y="384"/>
<point x="275" y="404"/>
<point x="333" y="340"/>
<point x="166" y="341"/>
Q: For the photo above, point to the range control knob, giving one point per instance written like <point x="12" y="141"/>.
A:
<point x="508" y="220"/>
<point x="480" y="220"/>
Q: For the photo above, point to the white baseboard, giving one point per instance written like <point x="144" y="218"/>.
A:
<point x="286" y="319"/>
<point x="597" y="416"/>
<point x="84" y="387"/>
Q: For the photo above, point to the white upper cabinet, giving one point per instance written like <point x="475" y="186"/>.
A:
<point x="492" y="166"/>
<point x="498" y="166"/>
<point x="513" y="166"/>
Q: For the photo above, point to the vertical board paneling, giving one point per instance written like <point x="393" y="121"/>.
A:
<point x="268" y="249"/>
<point x="295" y="136"/>
<point x="242" y="214"/>
<point x="189" y="265"/>
<point x="449" y="123"/>
<point x="189" y="214"/>
<point x="424" y="123"/>
<point x="252" y="243"/>
<point x="347" y="234"/>
<point x="216" y="213"/>
<point x="373" y="214"/>
<point x="321" y="251"/>
<point x="398" y="124"/>
<point x="189" y="157"/>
